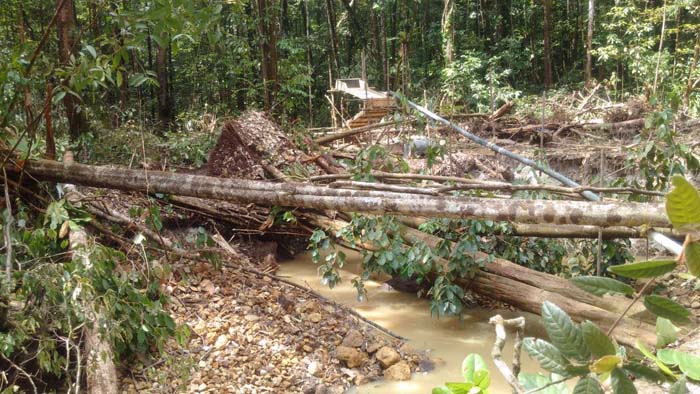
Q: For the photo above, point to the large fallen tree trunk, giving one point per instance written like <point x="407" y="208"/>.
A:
<point x="300" y="195"/>
<point x="543" y="230"/>
<point x="528" y="289"/>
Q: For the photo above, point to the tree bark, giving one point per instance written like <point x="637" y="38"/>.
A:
<point x="67" y="43"/>
<point x="606" y="213"/>
<point x="330" y="14"/>
<point x="589" y="41"/>
<point x="165" y="110"/>
<point x="547" y="43"/>
<point x="448" y="31"/>
<point x="267" y="28"/>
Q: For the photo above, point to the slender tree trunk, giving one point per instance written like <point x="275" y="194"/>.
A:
<point x="547" y="43"/>
<point x="307" y="26"/>
<point x="65" y="23"/>
<point x="448" y="31"/>
<point x="589" y="42"/>
<point x="267" y="28"/>
<point x="151" y="92"/>
<point x="165" y="114"/>
<point x="330" y="14"/>
<point x="693" y="66"/>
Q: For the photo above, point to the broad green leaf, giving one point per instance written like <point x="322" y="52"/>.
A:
<point x="461" y="387"/>
<point x="621" y="383"/>
<point x="642" y="371"/>
<point x="648" y="354"/>
<point x="531" y="381"/>
<point x="664" y="307"/>
<point x="692" y="258"/>
<point x="605" y="364"/>
<point x="644" y="269"/>
<point x="596" y="340"/>
<point x="588" y="385"/>
<point x="563" y="333"/>
<point x="683" y="203"/>
<point x="598" y="285"/>
<point x="666" y="332"/>
<point x="482" y="379"/>
<point x="547" y="355"/>
<point x="441" y="390"/>
<point x="470" y="365"/>
<point x="679" y="387"/>
<point x="688" y="363"/>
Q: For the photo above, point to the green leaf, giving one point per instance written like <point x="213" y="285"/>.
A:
<point x="531" y="381"/>
<point x="683" y="203"/>
<point x="663" y="367"/>
<point x="563" y="333"/>
<point x="605" y="364"/>
<point x="644" y="269"/>
<point x="460" y="387"/>
<point x="644" y="372"/>
<point x="688" y="363"/>
<point x="482" y="379"/>
<point x="598" y="343"/>
<point x="470" y="365"/>
<point x="679" y="387"/>
<point x="547" y="355"/>
<point x="441" y="390"/>
<point x="599" y="285"/>
<point x="587" y="385"/>
<point x="692" y="258"/>
<point x="664" y="307"/>
<point x="621" y="383"/>
<point x="666" y="332"/>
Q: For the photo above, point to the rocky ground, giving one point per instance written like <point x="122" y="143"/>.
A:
<point x="253" y="334"/>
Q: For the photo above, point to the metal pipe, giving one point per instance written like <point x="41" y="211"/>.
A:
<point x="661" y="239"/>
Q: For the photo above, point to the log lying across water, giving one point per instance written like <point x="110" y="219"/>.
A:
<point x="527" y="290"/>
<point x="604" y="214"/>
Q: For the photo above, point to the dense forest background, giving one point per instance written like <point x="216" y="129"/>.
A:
<point x="163" y="62"/>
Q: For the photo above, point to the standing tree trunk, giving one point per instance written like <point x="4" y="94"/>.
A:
<point x="330" y="14"/>
<point x="66" y="47"/>
<point x="448" y="31"/>
<point x="547" y="43"/>
<point x="589" y="41"/>
<point x="165" y="111"/>
<point x="267" y="28"/>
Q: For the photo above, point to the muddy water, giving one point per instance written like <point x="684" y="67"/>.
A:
<point x="448" y="339"/>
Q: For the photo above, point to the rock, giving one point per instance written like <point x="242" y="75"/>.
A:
<point x="336" y="390"/>
<point x="375" y="345"/>
<point x="353" y="339"/>
<point x="387" y="356"/>
<point x="315" y="317"/>
<point x="221" y="341"/>
<point x="426" y="365"/>
<point x="252" y="317"/>
<point x="398" y="371"/>
<point x="695" y="305"/>
<point x="321" y="389"/>
<point x="406" y="349"/>
<point x="352" y="357"/>
<point x="360" y="379"/>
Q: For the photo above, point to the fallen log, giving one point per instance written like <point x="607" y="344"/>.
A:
<point x="340" y="135"/>
<point x="543" y="230"/>
<point x="606" y="213"/>
<point x="528" y="289"/>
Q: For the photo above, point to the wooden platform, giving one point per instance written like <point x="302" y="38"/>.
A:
<point x="376" y="104"/>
